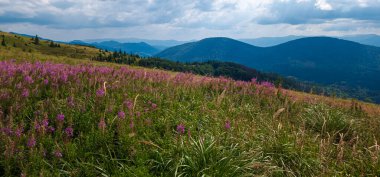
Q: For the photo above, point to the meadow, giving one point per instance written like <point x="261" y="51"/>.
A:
<point x="86" y="120"/>
<point x="67" y="116"/>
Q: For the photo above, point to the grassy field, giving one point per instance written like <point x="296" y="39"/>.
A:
<point x="65" y="116"/>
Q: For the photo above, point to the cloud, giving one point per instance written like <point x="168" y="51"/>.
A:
<point x="319" y="11"/>
<point x="190" y="18"/>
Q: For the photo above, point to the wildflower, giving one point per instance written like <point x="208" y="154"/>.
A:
<point x="181" y="128"/>
<point x="51" y="129"/>
<point x="102" y="124"/>
<point x="58" y="153"/>
<point x="70" y="101"/>
<point x="25" y="93"/>
<point x="267" y="84"/>
<point x="138" y="114"/>
<point x="60" y="117"/>
<point x="154" y="106"/>
<point x="45" y="122"/>
<point x="29" y="80"/>
<point x="7" y="131"/>
<point x="227" y="125"/>
<point x="31" y="142"/>
<point x="69" y="131"/>
<point x="19" y="131"/>
<point x="121" y="114"/>
<point x="129" y="104"/>
<point x="46" y="81"/>
<point x="100" y="92"/>
<point x="131" y="125"/>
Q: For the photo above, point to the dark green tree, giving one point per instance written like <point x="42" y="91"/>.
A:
<point x="52" y="44"/>
<point x="36" y="40"/>
<point x="3" y="41"/>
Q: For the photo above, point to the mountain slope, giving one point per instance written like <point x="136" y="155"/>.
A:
<point x="319" y="59"/>
<point x="270" y="41"/>
<point x="224" y="49"/>
<point x="140" y="48"/>
<point x="367" y="39"/>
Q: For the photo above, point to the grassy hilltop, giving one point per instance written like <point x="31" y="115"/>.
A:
<point x="63" y="114"/>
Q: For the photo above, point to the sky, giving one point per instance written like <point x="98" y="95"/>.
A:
<point x="188" y="19"/>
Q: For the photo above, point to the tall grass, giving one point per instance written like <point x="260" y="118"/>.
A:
<point x="90" y="120"/>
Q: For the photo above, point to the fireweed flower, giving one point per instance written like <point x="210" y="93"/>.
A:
<point x="46" y="81"/>
<point x="121" y="114"/>
<point x="60" y="117"/>
<point x="100" y="92"/>
<point x="180" y="128"/>
<point x="69" y="131"/>
<point x="45" y="123"/>
<point x="227" y="125"/>
<point x="131" y="125"/>
<point x="102" y="124"/>
<point x="25" y="93"/>
<point x="57" y="153"/>
<point x="51" y="129"/>
<point x="19" y="131"/>
<point x="28" y="80"/>
<point x="31" y="142"/>
<point x="154" y="106"/>
<point x="70" y="101"/>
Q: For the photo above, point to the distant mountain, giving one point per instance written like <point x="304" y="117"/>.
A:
<point x="220" y="48"/>
<point x="270" y="41"/>
<point x="141" y="48"/>
<point x="159" y="44"/>
<point x="323" y="60"/>
<point x="368" y="39"/>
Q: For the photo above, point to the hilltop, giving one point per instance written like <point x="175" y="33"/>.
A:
<point x="350" y="66"/>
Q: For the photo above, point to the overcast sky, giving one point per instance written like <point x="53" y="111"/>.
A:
<point x="188" y="19"/>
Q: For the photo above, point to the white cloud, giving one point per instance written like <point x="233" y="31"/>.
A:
<point x="323" y="5"/>
<point x="188" y="19"/>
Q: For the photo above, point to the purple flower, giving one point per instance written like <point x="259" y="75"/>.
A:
<point x="46" y="81"/>
<point x="70" y="101"/>
<point x="58" y="153"/>
<point x="60" y="117"/>
<point x="129" y="104"/>
<point x="121" y="114"/>
<point x="7" y="131"/>
<point x="69" y="131"/>
<point x="25" y="93"/>
<point x="181" y="128"/>
<point x="102" y="124"/>
<point x="31" y="142"/>
<point x="45" y="122"/>
<point x="51" y="129"/>
<point x="131" y="125"/>
<point x="19" y="131"/>
<point x="154" y="106"/>
<point x="227" y="125"/>
<point x="267" y="84"/>
<point x="100" y="92"/>
<point x="29" y="80"/>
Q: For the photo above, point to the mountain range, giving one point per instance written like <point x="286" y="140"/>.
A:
<point x="139" y="48"/>
<point x="367" y="39"/>
<point x="322" y="60"/>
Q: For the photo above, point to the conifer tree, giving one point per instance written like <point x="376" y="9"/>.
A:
<point x="36" y="40"/>
<point x="3" y="41"/>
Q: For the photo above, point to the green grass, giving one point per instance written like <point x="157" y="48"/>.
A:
<point x="271" y="134"/>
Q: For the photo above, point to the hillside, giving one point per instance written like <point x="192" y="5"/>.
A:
<point x="348" y="65"/>
<point x="140" y="48"/>
<point x="62" y="116"/>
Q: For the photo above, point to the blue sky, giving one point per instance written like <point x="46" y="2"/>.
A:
<point x="188" y="19"/>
